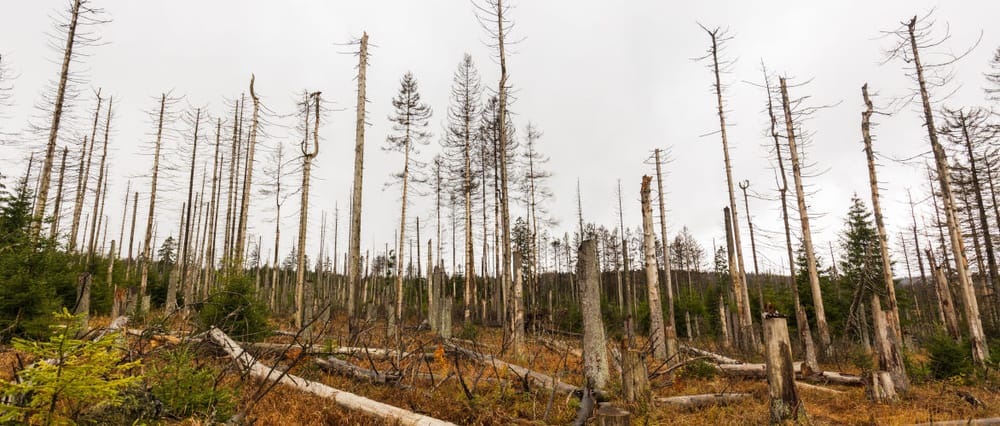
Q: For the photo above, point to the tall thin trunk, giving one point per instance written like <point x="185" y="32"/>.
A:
<point x="121" y="231"/>
<point x="307" y="158"/>
<point x="131" y="235"/>
<point x="747" y="339"/>
<point x="100" y="183"/>
<point x="186" y="245"/>
<point x="354" y="249"/>
<point x="671" y="325"/>
<point x="50" y="150"/>
<point x="817" y="294"/>
<point x="146" y="248"/>
<point x="980" y="350"/>
<point x="57" y="210"/>
<point x="994" y="278"/>
<point x="502" y="125"/>
<point x="248" y="179"/>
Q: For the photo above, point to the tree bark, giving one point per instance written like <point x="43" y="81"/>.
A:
<point x="656" y="329"/>
<point x="595" y="354"/>
<point x="354" y="249"/>
<point x="785" y="403"/>
<point x="307" y="158"/>
<point x="147" y="249"/>
<point x="670" y="328"/>
<point x="817" y="293"/>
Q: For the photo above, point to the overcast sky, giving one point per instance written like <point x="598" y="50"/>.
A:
<point x="606" y="81"/>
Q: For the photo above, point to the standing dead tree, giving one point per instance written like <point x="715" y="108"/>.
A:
<point x="656" y="328"/>
<point x="84" y="176"/>
<point x="354" y="240"/>
<point x="793" y="150"/>
<point x="890" y="352"/>
<point x="911" y="38"/>
<point x="79" y="15"/>
<point x="746" y="338"/>
<point x="307" y="158"/>
<point x="670" y="329"/>
<point x="248" y="178"/>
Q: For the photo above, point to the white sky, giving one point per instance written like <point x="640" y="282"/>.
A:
<point x="606" y="82"/>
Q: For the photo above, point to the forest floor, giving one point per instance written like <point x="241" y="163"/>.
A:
<point x="497" y="397"/>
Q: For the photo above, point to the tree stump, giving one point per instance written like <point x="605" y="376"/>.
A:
<point x="609" y="415"/>
<point x="635" y="378"/>
<point x="82" y="306"/>
<point x="879" y="387"/>
<point x="785" y="403"/>
<point x="595" y="353"/>
<point x="444" y="322"/>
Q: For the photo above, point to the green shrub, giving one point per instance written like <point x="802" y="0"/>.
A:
<point x="83" y="376"/>
<point x="949" y="359"/>
<point x="469" y="331"/>
<point x="235" y="310"/>
<point x="186" y="389"/>
<point x="698" y="370"/>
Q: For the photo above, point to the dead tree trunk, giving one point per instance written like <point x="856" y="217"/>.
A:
<point x="785" y="403"/>
<point x="56" y="211"/>
<point x="354" y="245"/>
<point x="747" y="339"/>
<point x="595" y="354"/>
<point x="883" y="239"/>
<point x="945" y="303"/>
<point x="890" y="356"/>
<point x="185" y="249"/>
<point x="307" y="159"/>
<point x="248" y="178"/>
<point x="656" y="332"/>
<point x="817" y="293"/>
<point x="670" y="328"/>
<point x="517" y="307"/>
<point x="92" y="241"/>
<point x="980" y="350"/>
<point x="146" y="247"/>
<point x="84" y="178"/>
<point x="50" y="150"/>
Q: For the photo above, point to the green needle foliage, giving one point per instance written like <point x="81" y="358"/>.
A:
<point x="69" y="378"/>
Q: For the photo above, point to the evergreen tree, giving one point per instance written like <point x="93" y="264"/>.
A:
<point x="860" y="262"/>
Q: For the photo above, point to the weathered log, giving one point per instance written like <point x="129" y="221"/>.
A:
<point x="784" y="397"/>
<point x="802" y="385"/>
<point x="559" y="347"/>
<point x="703" y="400"/>
<point x="975" y="422"/>
<point x="344" y="399"/>
<point x="759" y="371"/>
<point x="350" y="370"/>
<point x="543" y="380"/>
<point x="719" y="359"/>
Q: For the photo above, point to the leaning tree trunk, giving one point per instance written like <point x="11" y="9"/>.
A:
<point x="50" y="150"/>
<point x="883" y="240"/>
<point x="747" y="339"/>
<point x="146" y="249"/>
<point x="56" y="211"/>
<point x="656" y="332"/>
<point x="980" y="350"/>
<point x="354" y="245"/>
<point x="307" y="159"/>
<point x="817" y="293"/>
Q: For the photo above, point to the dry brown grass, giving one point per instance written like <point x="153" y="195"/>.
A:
<point x="494" y="404"/>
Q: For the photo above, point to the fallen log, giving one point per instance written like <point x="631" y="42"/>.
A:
<point x="759" y="371"/>
<point x="718" y="359"/>
<point x="345" y="368"/>
<point x="703" y="400"/>
<point x="539" y="379"/>
<point x="976" y="422"/>
<point x="560" y="347"/>
<point x="802" y="385"/>
<point x="344" y="399"/>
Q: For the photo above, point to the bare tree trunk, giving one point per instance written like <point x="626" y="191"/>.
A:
<point x="354" y="249"/>
<point x="945" y="303"/>
<point x="54" y="229"/>
<point x="307" y="158"/>
<point x="517" y="310"/>
<point x="131" y="236"/>
<point x="186" y="246"/>
<point x="146" y="250"/>
<point x="890" y="356"/>
<point x="671" y="325"/>
<point x="883" y="239"/>
<point x="595" y="354"/>
<point x="656" y="329"/>
<point x="747" y="339"/>
<point x="248" y="178"/>
<point x="817" y="293"/>
<point x="100" y="183"/>
<point x="50" y="150"/>
<point x="980" y="350"/>
<point x="84" y="178"/>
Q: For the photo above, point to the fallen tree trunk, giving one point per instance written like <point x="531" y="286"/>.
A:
<point x="719" y="359"/>
<point x="344" y="399"/>
<point x="802" y="385"/>
<point x="758" y="371"/>
<point x="703" y="400"/>
<point x="560" y="347"/>
<point x="975" y="422"/>
<point x="543" y="380"/>
<point x="350" y="370"/>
